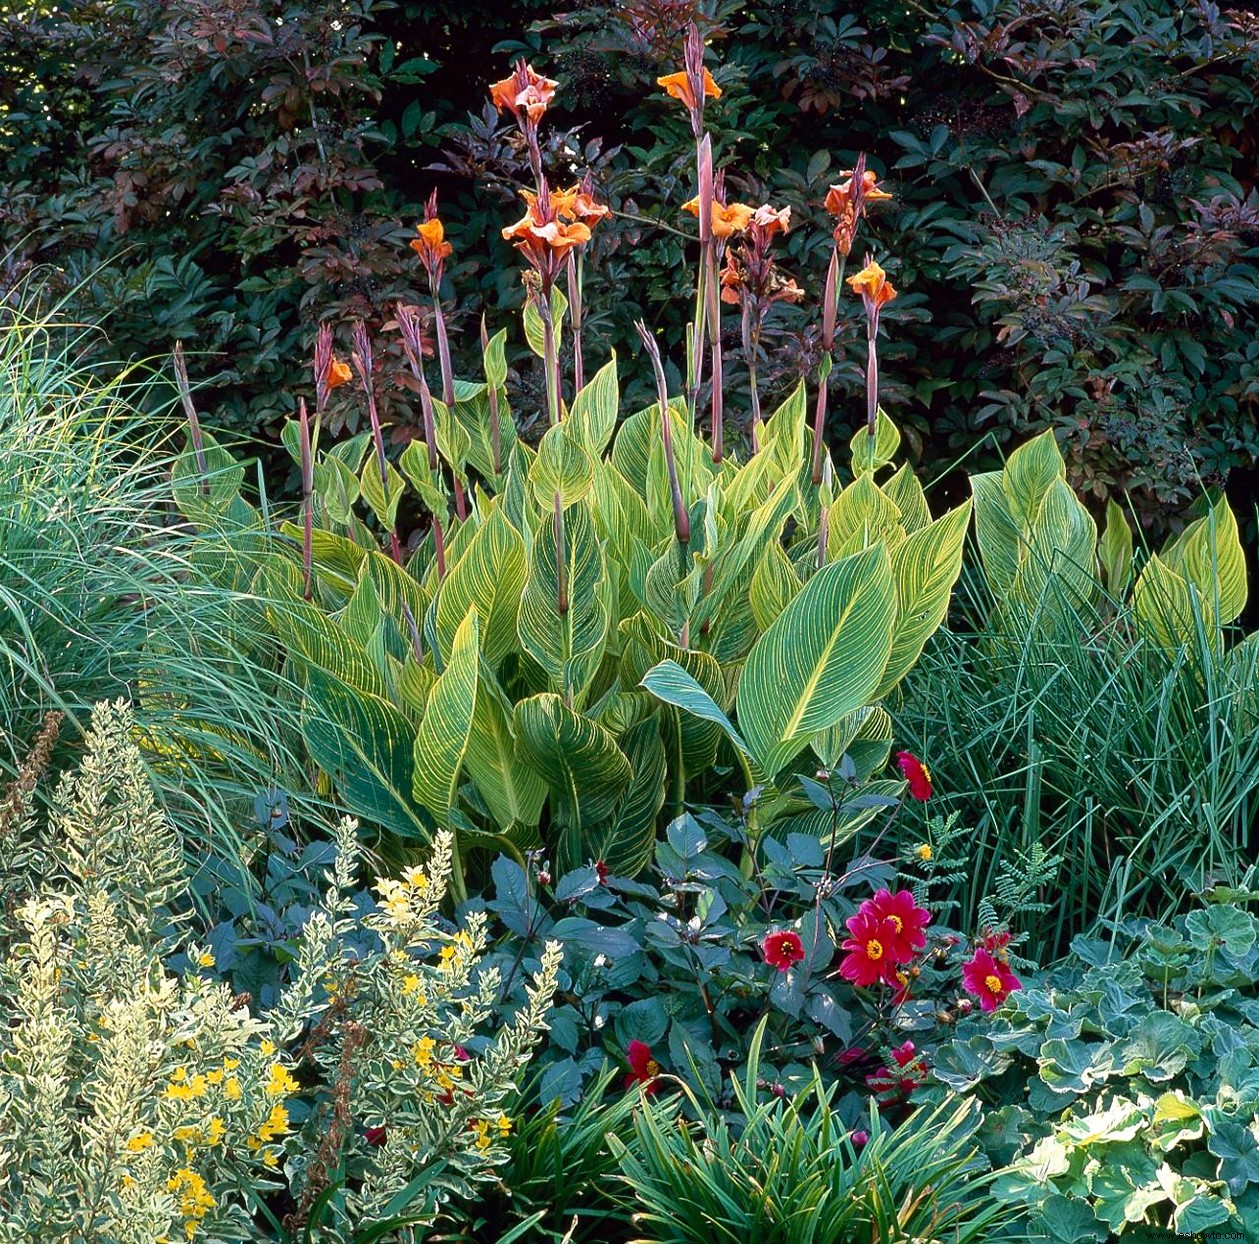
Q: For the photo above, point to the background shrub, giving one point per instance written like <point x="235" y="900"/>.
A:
<point x="1074" y="227"/>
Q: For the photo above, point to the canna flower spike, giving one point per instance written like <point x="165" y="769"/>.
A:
<point x="847" y="202"/>
<point x="875" y="289"/>
<point x="694" y="84"/>
<point x="525" y="94"/>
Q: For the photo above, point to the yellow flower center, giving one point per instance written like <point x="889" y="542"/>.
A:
<point x="874" y="949"/>
<point x="994" y="984"/>
<point x="895" y="922"/>
<point x="653" y="1068"/>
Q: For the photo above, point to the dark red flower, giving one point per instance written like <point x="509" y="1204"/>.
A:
<point x="601" y="871"/>
<point x="906" y="1058"/>
<point x="988" y="979"/>
<point x="644" y="1069"/>
<point x="860" y="1137"/>
<point x="868" y="959"/>
<point x="374" y="1136"/>
<point x="916" y="774"/>
<point x="782" y="948"/>
<point x="994" y="941"/>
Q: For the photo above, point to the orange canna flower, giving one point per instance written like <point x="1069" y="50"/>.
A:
<point x="536" y="237"/>
<point x="431" y="245"/>
<point x="585" y="208"/>
<point x="678" y="86"/>
<point x="873" y="286"/>
<point x="728" y="218"/>
<point x="338" y="373"/>
<point x="524" y="91"/>
<point x="839" y="198"/>
<point x="772" y="220"/>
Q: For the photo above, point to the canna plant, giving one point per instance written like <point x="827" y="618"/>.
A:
<point x="612" y="621"/>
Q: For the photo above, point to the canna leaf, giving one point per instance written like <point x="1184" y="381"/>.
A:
<point x="442" y="739"/>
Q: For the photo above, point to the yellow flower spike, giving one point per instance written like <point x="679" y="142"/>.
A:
<point x="140" y="1142"/>
<point x="267" y="1048"/>
<point x="280" y="1081"/>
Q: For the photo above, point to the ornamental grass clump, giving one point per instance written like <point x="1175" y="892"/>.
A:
<point x="140" y="1099"/>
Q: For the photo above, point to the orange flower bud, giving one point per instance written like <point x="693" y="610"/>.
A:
<point x="873" y="286"/>
<point x="339" y="373"/>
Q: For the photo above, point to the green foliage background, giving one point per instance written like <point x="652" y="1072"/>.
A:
<point x="1074" y="232"/>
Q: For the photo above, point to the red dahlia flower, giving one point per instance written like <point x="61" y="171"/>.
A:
<point x="644" y="1069"/>
<point x="869" y="959"/>
<point x="988" y="980"/>
<point x="916" y="774"/>
<point x="782" y="948"/>
<point x="906" y="918"/>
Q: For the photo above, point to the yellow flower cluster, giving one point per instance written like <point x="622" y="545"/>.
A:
<point x="195" y="1199"/>
<point x="481" y="1129"/>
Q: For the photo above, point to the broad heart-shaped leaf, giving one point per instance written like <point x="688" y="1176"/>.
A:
<point x="382" y="495"/>
<point x="364" y="744"/>
<point x="594" y="409"/>
<point x="669" y="682"/>
<point x="513" y="792"/>
<point x="568" y="645"/>
<point x="998" y="532"/>
<point x="872" y="453"/>
<point x="925" y="566"/>
<point x="442" y="739"/>
<point x="1114" y="551"/>
<point x="562" y="466"/>
<point x="1208" y="554"/>
<point x="626" y="841"/>
<point x="823" y="657"/>
<point x="490" y="577"/>
<point x="586" y="772"/>
<point x="1030" y="473"/>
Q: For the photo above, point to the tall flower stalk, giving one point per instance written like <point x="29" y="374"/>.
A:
<point x="363" y="362"/>
<point x="876" y="291"/>
<point x="681" y="518"/>
<point x="847" y="203"/>
<point x="412" y="346"/>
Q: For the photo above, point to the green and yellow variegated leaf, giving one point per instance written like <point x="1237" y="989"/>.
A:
<point x="627" y="841"/>
<point x="568" y="645"/>
<point x="641" y="650"/>
<point x="694" y="467"/>
<point x="442" y="738"/>
<point x="585" y="771"/>
<point x="1163" y="603"/>
<point x="427" y="483"/>
<point x="865" y="737"/>
<point x="925" y="566"/>
<point x="514" y="497"/>
<point x="513" y="792"/>
<point x="206" y="497"/>
<point x="361" y="615"/>
<point x="1000" y="537"/>
<point x="473" y="415"/>
<point x="490" y="577"/>
<point x="494" y="361"/>
<point x="364" y="744"/>
<point x="533" y="321"/>
<point x="562" y="466"/>
<point x="631" y="452"/>
<point x="336" y="486"/>
<point x="672" y="587"/>
<point x="382" y="495"/>
<point x="595" y="409"/>
<point x="1208" y="554"/>
<point x="823" y="657"/>
<point x="905" y="492"/>
<point x="761" y="531"/>
<point x="395" y="588"/>
<point x="669" y="682"/>
<point x="861" y="516"/>
<point x="774" y="585"/>
<point x="415" y="681"/>
<point x="1114" y="551"/>
<point x="315" y="641"/>
<point x="454" y="442"/>
<point x="1029" y="475"/>
<point x="784" y="436"/>
<point x="336" y="560"/>
<point x="1056" y="575"/>
<point x="873" y="453"/>
<point x="626" y="511"/>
